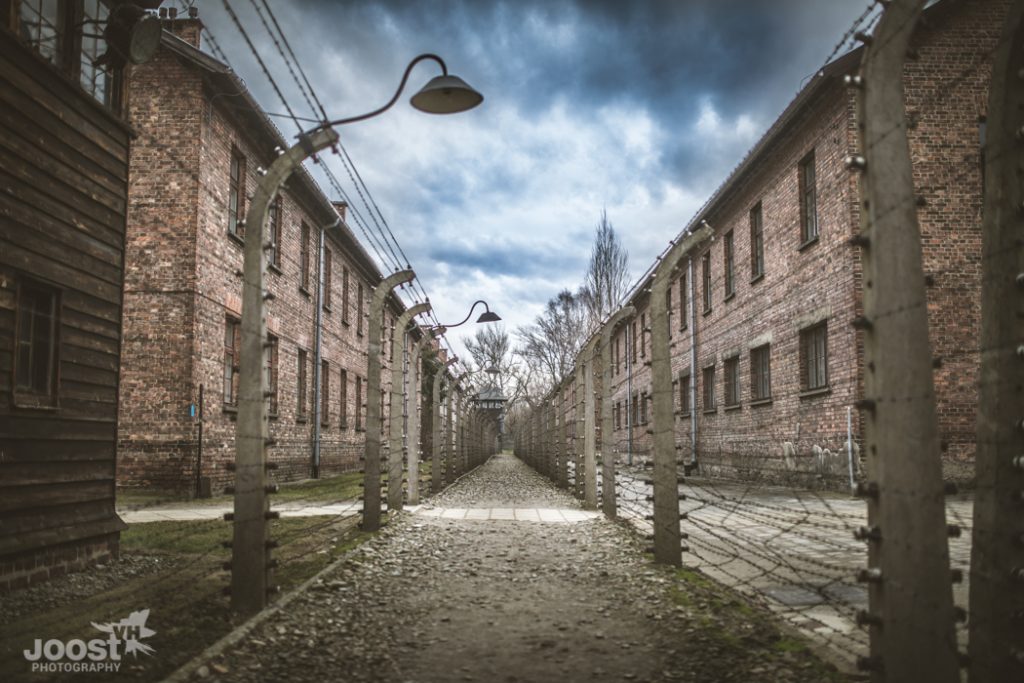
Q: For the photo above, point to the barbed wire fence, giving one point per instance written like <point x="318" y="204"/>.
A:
<point x="765" y="523"/>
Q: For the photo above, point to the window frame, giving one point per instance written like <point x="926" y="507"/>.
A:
<point x="810" y="229"/>
<point x="305" y="235"/>
<point x="326" y="295"/>
<point x="359" y="405"/>
<point x="301" y="385"/>
<point x="232" y="361"/>
<point x="237" y="166"/>
<point x="683" y="303"/>
<point x="706" y="279"/>
<point x="343" y="400"/>
<point x="344" y="295"/>
<point x="274" y="217"/>
<point x="729" y="264"/>
<point x="683" y="385"/>
<point x="26" y="396"/>
<point x="761" y="373"/>
<point x="325" y="392"/>
<point x="709" y="400"/>
<point x="756" y="242"/>
<point x="731" y="390"/>
<point x="814" y="349"/>
<point x="270" y="367"/>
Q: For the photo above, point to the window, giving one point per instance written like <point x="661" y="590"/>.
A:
<point x="684" y="393"/>
<point x="618" y="415"/>
<point x="359" y="309"/>
<point x="706" y="270"/>
<point x="327" y="276"/>
<point x="236" y="195"/>
<point x="756" y="242"/>
<point x="270" y="368"/>
<point x="343" y="416"/>
<point x="618" y="352"/>
<point x="636" y="411"/>
<point x="643" y="408"/>
<point x="325" y="392"/>
<point x="42" y="26"/>
<point x="274" y="233"/>
<point x="304" y="257"/>
<point x="808" y="200"/>
<point x="727" y="252"/>
<point x="732" y="381"/>
<point x="300" y="387"/>
<point x="232" y="350"/>
<point x="682" y="301"/>
<point x="359" y="403"/>
<point x="709" y="388"/>
<point x="760" y="373"/>
<point x="814" y="357"/>
<point x="344" y="294"/>
<point x="643" y="335"/>
<point x="632" y="341"/>
<point x="36" y="362"/>
<point x="94" y="79"/>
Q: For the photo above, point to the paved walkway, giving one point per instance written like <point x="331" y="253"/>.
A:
<point x="476" y="586"/>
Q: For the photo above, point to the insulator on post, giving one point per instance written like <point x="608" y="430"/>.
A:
<point x="866" y="490"/>
<point x="870" y="575"/>
<point x="271" y="514"/>
<point x="853" y="80"/>
<point x="870" y="664"/>
<point x="229" y="490"/>
<point x="953" y="531"/>
<point x="956" y="576"/>
<point x="855" y="162"/>
<point x="226" y="566"/>
<point x="271" y="488"/>
<point x="863" y="37"/>
<point x="861" y="323"/>
<point x="865" y="404"/>
<point x="950" y="489"/>
<point x="271" y="544"/>
<point x="865" y="533"/>
<point x="959" y="615"/>
<point x="270" y="466"/>
<point x="859" y="241"/>
<point x="226" y="544"/>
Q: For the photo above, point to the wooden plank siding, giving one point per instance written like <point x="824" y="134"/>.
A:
<point x="63" y="195"/>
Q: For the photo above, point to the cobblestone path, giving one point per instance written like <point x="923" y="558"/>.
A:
<point x="433" y="598"/>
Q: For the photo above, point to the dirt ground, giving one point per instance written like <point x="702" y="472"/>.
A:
<point x="436" y="599"/>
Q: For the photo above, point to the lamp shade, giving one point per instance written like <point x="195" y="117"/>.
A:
<point x="446" y="95"/>
<point x="488" y="317"/>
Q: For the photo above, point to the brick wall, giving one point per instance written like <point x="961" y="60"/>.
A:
<point x="185" y="272"/>
<point x="800" y="435"/>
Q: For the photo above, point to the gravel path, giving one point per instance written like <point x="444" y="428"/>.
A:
<point x="433" y="599"/>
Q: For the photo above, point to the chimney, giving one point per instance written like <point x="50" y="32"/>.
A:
<point x="188" y="29"/>
<point x="341" y="208"/>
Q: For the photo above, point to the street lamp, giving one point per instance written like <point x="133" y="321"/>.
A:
<point x="445" y="94"/>
<point x="486" y="317"/>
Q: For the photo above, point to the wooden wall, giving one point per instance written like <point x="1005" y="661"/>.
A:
<point x="63" y="186"/>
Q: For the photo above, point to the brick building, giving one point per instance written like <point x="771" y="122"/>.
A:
<point x="202" y="141"/>
<point x="765" y="362"/>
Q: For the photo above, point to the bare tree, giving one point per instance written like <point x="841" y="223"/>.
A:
<point x="491" y="348"/>
<point x="550" y="345"/>
<point x="607" y="279"/>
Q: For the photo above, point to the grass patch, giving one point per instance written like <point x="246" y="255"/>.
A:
<point x="188" y="607"/>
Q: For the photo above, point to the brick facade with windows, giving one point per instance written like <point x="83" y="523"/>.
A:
<point x="193" y="171"/>
<point x="781" y="330"/>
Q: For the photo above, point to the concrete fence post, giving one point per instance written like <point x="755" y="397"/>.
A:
<point x="589" y="426"/>
<point x="996" y="644"/>
<point x="608" y="503"/>
<point x="371" y="476"/>
<point x="399" y="387"/>
<point x="911" y="619"/>
<point x="249" y="552"/>
<point x="667" y="535"/>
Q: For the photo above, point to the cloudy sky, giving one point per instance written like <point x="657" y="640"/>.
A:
<point x="637" y="108"/>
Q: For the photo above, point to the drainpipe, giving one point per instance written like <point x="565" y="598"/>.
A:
<point x="629" y="397"/>
<point x="693" y="366"/>
<point x="317" y="336"/>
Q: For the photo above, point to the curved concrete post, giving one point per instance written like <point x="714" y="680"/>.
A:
<point x="371" y="478"/>
<point x="449" y="433"/>
<point x="589" y="426"/>
<point x="249" y="554"/>
<point x="608" y="504"/>
<point x="562" y="437"/>
<point x="398" y="388"/>
<point x="436" y="459"/>
<point x="667" y="537"/>
<point x="413" y="392"/>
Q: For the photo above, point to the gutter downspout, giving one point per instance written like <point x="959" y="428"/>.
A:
<point x="693" y="367"/>
<point x="318" y="336"/>
<point x="629" y="397"/>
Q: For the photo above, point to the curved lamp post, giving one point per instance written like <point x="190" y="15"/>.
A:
<point x="486" y="317"/>
<point x="250" y="558"/>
